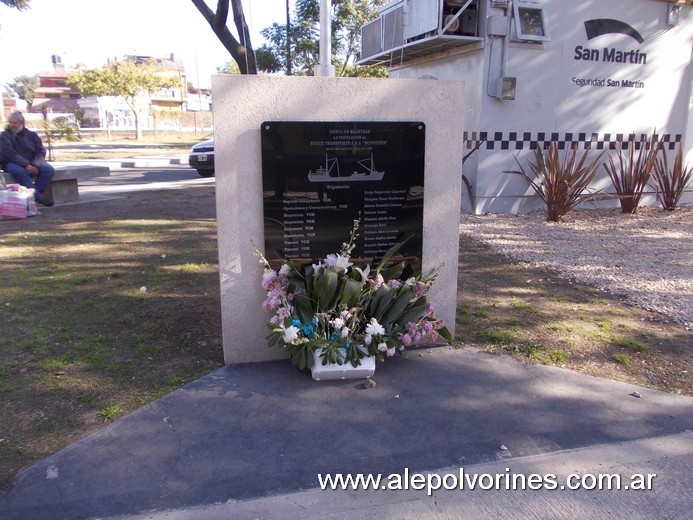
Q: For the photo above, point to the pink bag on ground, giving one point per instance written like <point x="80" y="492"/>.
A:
<point x="13" y="210"/>
<point x="17" y="202"/>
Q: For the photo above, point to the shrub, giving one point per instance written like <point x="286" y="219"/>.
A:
<point x="631" y="174"/>
<point x="62" y="128"/>
<point x="671" y="182"/>
<point x="561" y="186"/>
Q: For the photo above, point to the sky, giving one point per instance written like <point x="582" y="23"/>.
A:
<point x="90" y="32"/>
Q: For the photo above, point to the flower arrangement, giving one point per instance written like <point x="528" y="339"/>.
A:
<point x="346" y="312"/>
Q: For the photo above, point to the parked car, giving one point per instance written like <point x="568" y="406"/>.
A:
<point x="202" y="158"/>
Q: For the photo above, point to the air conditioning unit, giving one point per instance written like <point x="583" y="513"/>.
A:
<point x="372" y="38"/>
<point x="461" y="24"/>
<point x="393" y="28"/>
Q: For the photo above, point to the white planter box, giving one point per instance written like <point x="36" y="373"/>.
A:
<point x="333" y="371"/>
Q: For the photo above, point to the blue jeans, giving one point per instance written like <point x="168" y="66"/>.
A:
<point x="38" y="183"/>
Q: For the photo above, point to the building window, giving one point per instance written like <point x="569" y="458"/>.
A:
<point x="530" y="22"/>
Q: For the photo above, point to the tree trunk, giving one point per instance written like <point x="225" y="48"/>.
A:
<point x="242" y="53"/>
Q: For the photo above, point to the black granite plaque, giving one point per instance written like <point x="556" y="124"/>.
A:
<point x="320" y="176"/>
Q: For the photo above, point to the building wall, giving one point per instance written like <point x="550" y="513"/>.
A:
<point x="562" y="96"/>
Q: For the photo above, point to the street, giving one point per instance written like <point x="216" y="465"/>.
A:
<point x="124" y="180"/>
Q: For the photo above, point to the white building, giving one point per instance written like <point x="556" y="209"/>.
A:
<point x="550" y="70"/>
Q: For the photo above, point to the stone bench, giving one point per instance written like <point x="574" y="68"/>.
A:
<point x="64" y="185"/>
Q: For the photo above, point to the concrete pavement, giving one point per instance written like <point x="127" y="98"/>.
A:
<point x="250" y="441"/>
<point x="134" y="162"/>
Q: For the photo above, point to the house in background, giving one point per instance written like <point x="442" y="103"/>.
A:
<point x="576" y="73"/>
<point x="12" y="103"/>
<point x="54" y="93"/>
<point x="166" y="105"/>
<point x="165" y="108"/>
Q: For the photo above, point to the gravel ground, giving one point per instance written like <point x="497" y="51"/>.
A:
<point x="646" y="257"/>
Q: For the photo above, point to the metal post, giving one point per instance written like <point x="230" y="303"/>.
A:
<point x="288" y="40"/>
<point x="325" y="68"/>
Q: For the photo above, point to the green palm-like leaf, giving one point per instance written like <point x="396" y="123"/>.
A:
<point x="389" y="254"/>
<point x="380" y="301"/>
<point x="351" y="292"/>
<point x="303" y="307"/>
<point x="397" y="307"/>
<point x="393" y="272"/>
<point x="445" y="333"/>
<point x="326" y="288"/>
<point x="413" y="313"/>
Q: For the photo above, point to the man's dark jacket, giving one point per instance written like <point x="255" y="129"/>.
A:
<point x="23" y="148"/>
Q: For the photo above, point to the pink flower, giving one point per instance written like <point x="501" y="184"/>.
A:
<point x="419" y="289"/>
<point x="377" y="282"/>
<point x="268" y="278"/>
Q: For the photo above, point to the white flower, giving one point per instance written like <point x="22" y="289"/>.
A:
<point x="391" y="351"/>
<point x="338" y="262"/>
<point x="337" y="323"/>
<point x="368" y="339"/>
<point x="284" y="270"/>
<point x="374" y="328"/>
<point x="289" y="334"/>
<point x="364" y="272"/>
<point x="345" y="332"/>
<point x="382" y="347"/>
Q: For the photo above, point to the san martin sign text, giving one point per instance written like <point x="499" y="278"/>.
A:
<point x="610" y="55"/>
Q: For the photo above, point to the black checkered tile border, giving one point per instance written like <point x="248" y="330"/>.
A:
<point x="530" y="140"/>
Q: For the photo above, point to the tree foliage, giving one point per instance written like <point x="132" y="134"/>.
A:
<point x="230" y="67"/>
<point x="24" y="87"/>
<point x="304" y="39"/>
<point x="241" y="51"/>
<point x="18" y="4"/>
<point x="126" y="79"/>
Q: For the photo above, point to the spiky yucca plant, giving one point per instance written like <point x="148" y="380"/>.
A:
<point x="671" y="182"/>
<point x="561" y="186"/>
<point x="630" y="174"/>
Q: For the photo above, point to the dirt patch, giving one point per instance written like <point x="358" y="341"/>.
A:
<point x="511" y="307"/>
<point x="105" y="307"/>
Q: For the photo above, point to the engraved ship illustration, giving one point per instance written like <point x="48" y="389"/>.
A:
<point x="330" y="172"/>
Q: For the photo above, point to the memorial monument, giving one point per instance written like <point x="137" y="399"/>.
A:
<point x="298" y="158"/>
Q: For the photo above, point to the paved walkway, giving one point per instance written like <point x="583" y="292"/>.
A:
<point x="249" y="441"/>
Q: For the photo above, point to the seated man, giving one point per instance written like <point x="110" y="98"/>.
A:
<point x="22" y="155"/>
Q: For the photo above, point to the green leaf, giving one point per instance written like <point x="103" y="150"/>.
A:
<point x="308" y="281"/>
<point x="310" y="360"/>
<point x="303" y="307"/>
<point x="398" y="305"/>
<point x="394" y="271"/>
<point x="351" y="292"/>
<point x="389" y="254"/>
<point x="443" y="331"/>
<point x="380" y="301"/>
<point x="414" y="313"/>
<point x="326" y="288"/>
